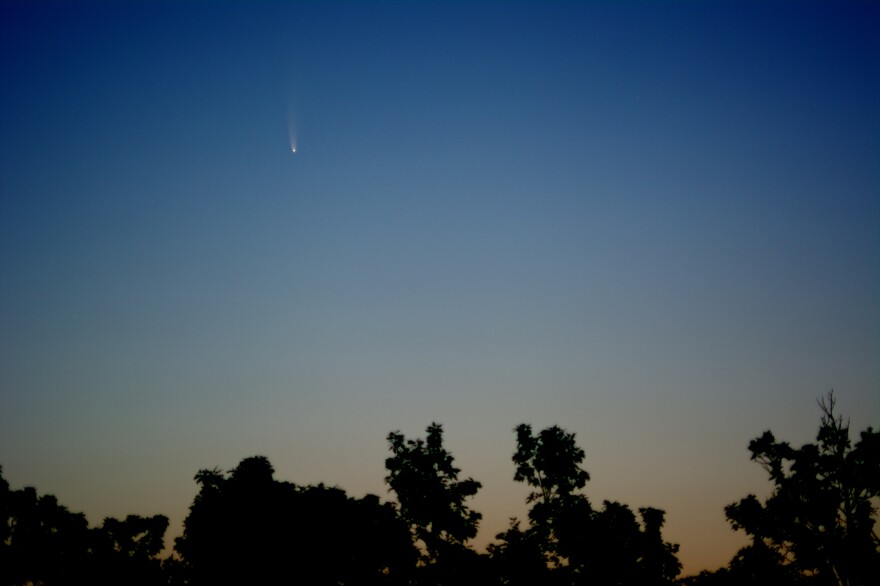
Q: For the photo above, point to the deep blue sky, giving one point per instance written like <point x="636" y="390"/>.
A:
<point x="656" y="224"/>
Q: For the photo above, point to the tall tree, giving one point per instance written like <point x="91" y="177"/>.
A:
<point x="431" y="499"/>
<point x="550" y="462"/>
<point x="820" y="519"/>
<point x="579" y="545"/>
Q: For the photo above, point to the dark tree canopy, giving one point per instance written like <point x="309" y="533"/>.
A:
<point x="246" y="527"/>
<point x="755" y="565"/>
<point x="567" y="541"/>
<point x="44" y="543"/>
<point x="820" y="519"/>
<point x="550" y="462"/>
<point x="431" y="500"/>
<point x="429" y="493"/>
<point x="128" y="550"/>
<point x="818" y="527"/>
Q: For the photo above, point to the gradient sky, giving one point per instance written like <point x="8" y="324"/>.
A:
<point x="654" y="224"/>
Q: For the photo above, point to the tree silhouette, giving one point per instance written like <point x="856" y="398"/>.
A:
<point x="247" y="527"/>
<point x="44" y="543"/>
<point x="126" y="552"/>
<point x="520" y="557"/>
<point x="431" y="500"/>
<point x="578" y="545"/>
<point x="551" y="463"/>
<point x="817" y="528"/>
<point x="755" y="565"/>
<point x="368" y="542"/>
<point x="618" y="548"/>
<point x="820" y="519"/>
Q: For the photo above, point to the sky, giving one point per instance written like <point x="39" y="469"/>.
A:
<point x="655" y="224"/>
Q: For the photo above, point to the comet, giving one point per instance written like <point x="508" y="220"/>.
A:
<point x="291" y="129"/>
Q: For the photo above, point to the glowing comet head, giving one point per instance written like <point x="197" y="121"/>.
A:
<point x="293" y="149"/>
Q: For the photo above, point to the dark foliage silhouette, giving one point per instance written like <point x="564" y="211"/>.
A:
<point x="551" y="462"/>
<point x="520" y="557"/>
<point x="44" y="543"/>
<point x="126" y="551"/>
<point x="820" y="518"/>
<point x="245" y="527"/>
<point x="755" y="565"/>
<point x="567" y="541"/>
<point x="818" y="527"/>
<point x="431" y="499"/>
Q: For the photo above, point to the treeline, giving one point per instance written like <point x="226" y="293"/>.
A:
<point x="246" y="527"/>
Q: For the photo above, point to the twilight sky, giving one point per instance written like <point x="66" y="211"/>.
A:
<point x="654" y="224"/>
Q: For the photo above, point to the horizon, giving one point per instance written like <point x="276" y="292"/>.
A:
<point x="479" y="542"/>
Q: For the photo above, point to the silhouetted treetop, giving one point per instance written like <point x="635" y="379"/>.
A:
<point x="42" y="542"/>
<point x="567" y="541"/>
<point x="549" y="462"/>
<point x="820" y="519"/>
<point x="255" y="470"/>
<point x="817" y="528"/>
<point x="430" y="495"/>
<point x="246" y="527"/>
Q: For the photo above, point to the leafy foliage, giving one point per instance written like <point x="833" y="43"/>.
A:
<point x="429" y="493"/>
<point x="818" y="526"/>
<point x="755" y="565"/>
<point x="520" y="557"/>
<point x="550" y="462"/>
<point x="128" y="550"/>
<point x="44" y="543"/>
<point x="575" y="543"/>
<point x="821" y="515"/>
<point x="247" y="527"/>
